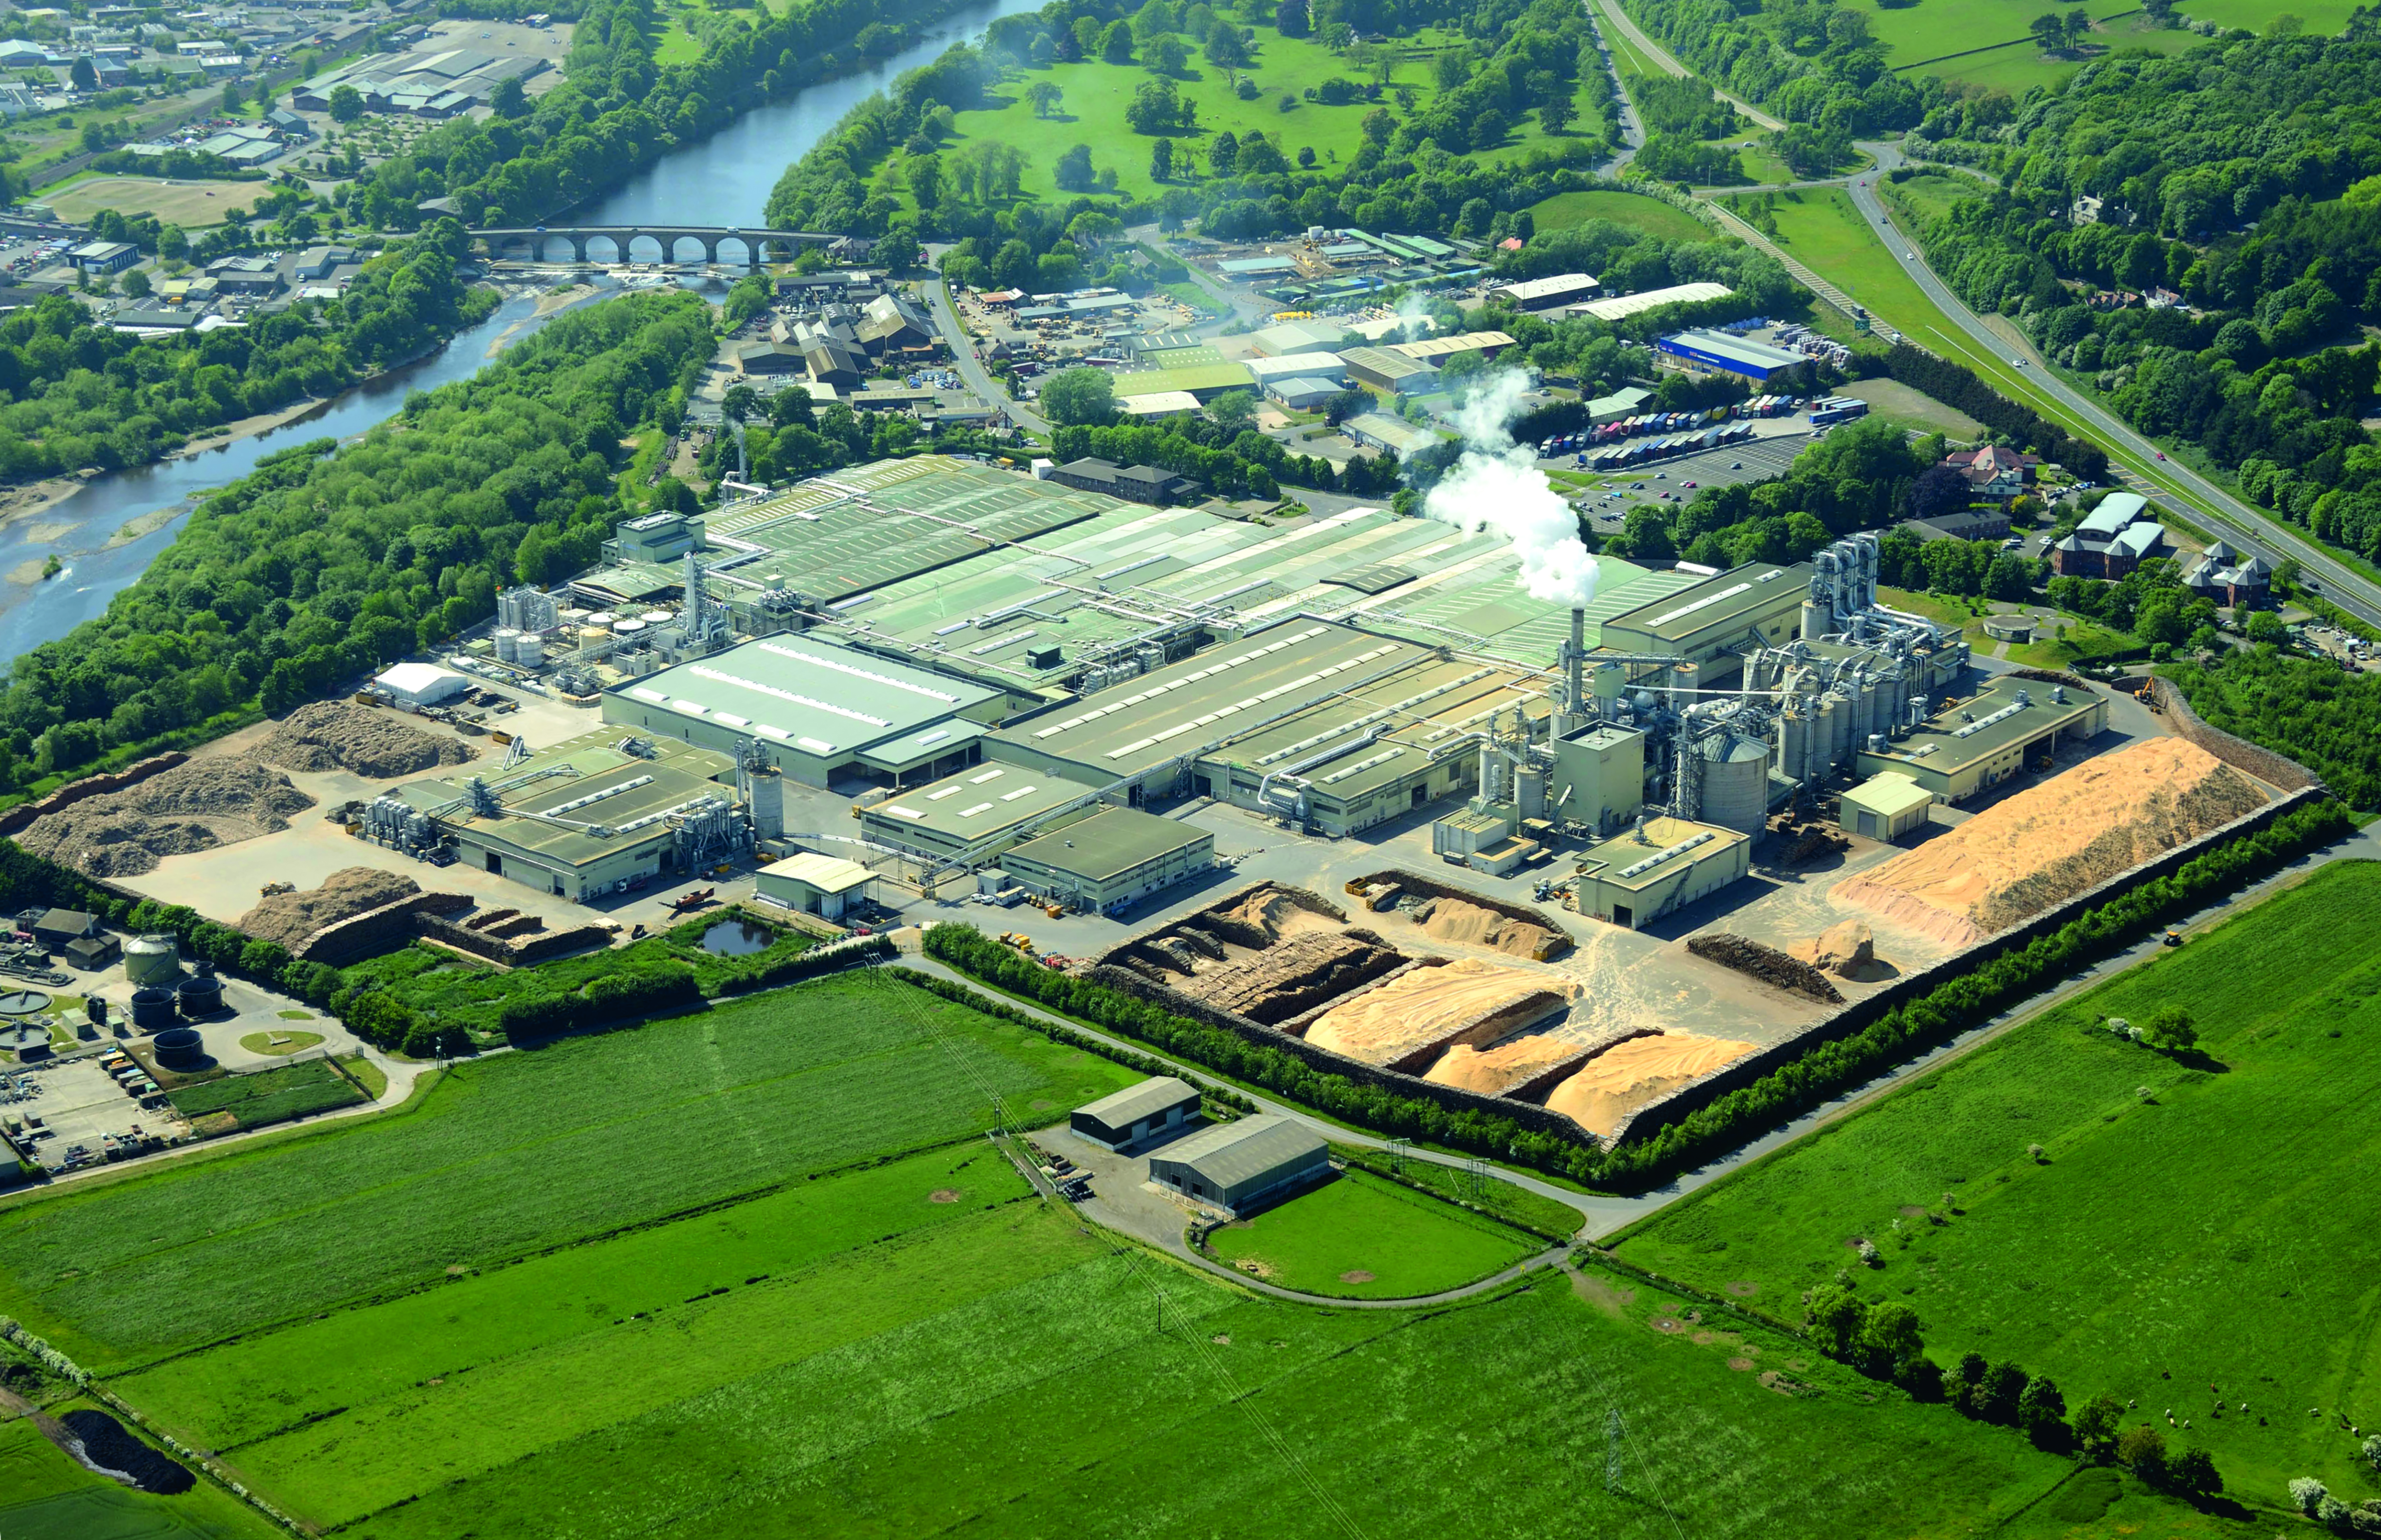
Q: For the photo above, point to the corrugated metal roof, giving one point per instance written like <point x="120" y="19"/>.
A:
<point x="1107" y="844"/>
<point x="1234" y="1154"/>
<point x="1123" y="1108"/>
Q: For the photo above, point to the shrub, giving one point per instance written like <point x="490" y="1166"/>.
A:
<point x="2193" y="1473"/>
<point x="2307" y="1493"/>
<point x="2143" y="1452"/>
<point x="2042" y="1412"/>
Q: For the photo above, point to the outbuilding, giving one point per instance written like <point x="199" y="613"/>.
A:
<point x="1156" y="1108"/>
<point x="1240" y="1166"/>
<point x="421" y="684"/>
<point x="815" y="884"/>
<point x="1884" y="806"/>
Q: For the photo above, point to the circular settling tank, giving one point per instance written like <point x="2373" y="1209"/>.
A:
<point x="22" y="1002"/>
<point x="152" y="1010"/>
<point x="179" y="1047"/>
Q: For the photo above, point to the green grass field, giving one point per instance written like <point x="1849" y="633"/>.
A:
<point x="2216" y="1231"/>
<point x="270" y="1095"/>
<point x="1566" y="210"/>
<point x="45" y="1495"/>
<point x="1929" y="195"/>
<point x="1091" y="110"/>
<point x="1367" y="1238"/>
<point x="518" y="1153"/>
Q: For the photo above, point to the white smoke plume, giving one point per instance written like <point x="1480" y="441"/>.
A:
<point x="1497" y="486"/>
<point x="1414" y="316"/>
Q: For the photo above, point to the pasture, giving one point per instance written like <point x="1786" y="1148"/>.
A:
<point x="270" y="1095"/>
<point x="2194" y="1219"/>
<point x="1566" y="210"/>
<point x="45" y="1495"/>
<point x="1095" y="95"/>
<point x="1366" y="1237"/>
<point x="517" y="1153"/>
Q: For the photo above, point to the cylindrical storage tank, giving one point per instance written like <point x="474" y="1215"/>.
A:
<point x="180" y="1048"/>
<point x="657" y="618"/>
<point x="628" y="628"/>
<point x="1794" y="745"/>
<point x="1530" y="791"/>
<point x="201" y="991"/>
<point x="1835" y="721"/>
<point x="1735" y="790"/>
<point x="152" y="960"/>
<point x="507" y="645"/>
<point x="594" y="636"/>
<point x="152" y="1010"/>
<point x="1815" y="620"/>
<point x="529" y="651"/>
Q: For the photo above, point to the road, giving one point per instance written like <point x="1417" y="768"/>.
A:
<point x="971" y="368"/>
<point x="2251" y="526"/>
<point x="2140" y="460"/>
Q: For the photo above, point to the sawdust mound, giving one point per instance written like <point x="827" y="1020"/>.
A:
<point x="340" y="735"/>
<point x="1847" y="949"/>
<point x="1471" y="1000"/>
<point x="2052" y="841"/>
<point x="195" y="806"/>
<point x="290" y="918"/>
<point x="1276" y="913"/>
<point x="1494" y="1071"/>
<point x="1465" y="925"/>
<point x="1627" y="1075"/>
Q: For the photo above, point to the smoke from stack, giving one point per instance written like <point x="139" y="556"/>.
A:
<point x="1497" y="486"/>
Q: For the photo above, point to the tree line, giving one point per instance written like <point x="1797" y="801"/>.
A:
<point x="327" y="562"/>
<point x="76" y="394"/>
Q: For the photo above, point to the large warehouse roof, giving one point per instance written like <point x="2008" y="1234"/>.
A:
<point x="1203" y="700"/>
<point x="1652" y="298"/>
<point x="810" y="692"/>
<point x="982" y="801"/>
<point x="1107" y="844"/>
<point x="1732" y="597"/>
<point x="585" y="782"/>
<point x="1419" y="711"/>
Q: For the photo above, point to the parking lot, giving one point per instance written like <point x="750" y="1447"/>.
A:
<point x="1756" y="461"/>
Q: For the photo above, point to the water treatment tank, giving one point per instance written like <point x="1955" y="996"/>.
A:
<point x="657" y="618"/>
<point x="201" y="991"/>
<point x="152" y="960"/>
<point x="180" y="1048"/>
<point x="1735" y="790"/>
<point x="152" y="1010"/>
<point x="626" y="629"/>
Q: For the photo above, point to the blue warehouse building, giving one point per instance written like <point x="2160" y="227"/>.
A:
<point x="1728" y="355"/>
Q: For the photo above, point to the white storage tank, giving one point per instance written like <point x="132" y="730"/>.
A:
<point x="1794" y="744"/>
<point x="152" y="960"/>
<point x="1735" y="790"/>
<point x="530" y="650"/>
<point x="507" y="645"/>
<point x="657" y="618"/>
<point x="627" y="629"/>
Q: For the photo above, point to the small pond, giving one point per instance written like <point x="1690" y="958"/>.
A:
<point x="737" y="938"/>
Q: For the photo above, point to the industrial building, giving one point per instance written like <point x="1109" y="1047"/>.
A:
<point x="1386" y="372"/>
<point x="1378" y="430"/>
<point x="1242" y="1165"/>
<point x="1156" y="1108"/>
<point x="1110" y="858"/>
<point x="1131" y="484"/>
<point x="1304" y="393"/>
<point x="1437" y="351"/>
<point x="813" y="883"/>
<point x="1301" y="335"/>
<point x="1969" y="747"/>
<point x="415" y="685"/>
<point x="1540" y="294"/>
<point x="1321" y="366"/>
<point x="1662" y="867"/>
<point x="586" y="818"/>
<point x="2111" y="540"/>
<point x="1884" y="806"/>
<point x="812" y="709"/>
<point x="1623" y="306"/>
<point x="969" y="818"/>
<point x="1718" y="352"/>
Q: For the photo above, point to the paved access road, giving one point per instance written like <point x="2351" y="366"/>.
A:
<point x="971" y="368"/>
<point x="2150" y="471"/>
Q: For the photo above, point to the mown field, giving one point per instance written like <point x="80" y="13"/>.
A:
<point x="1566" y="210"/>
<point x="515" y="1153"/>
<point x="269" y="1095"/>
<point x="1366" y="1237"/>
<point x="2194" y="1219"/>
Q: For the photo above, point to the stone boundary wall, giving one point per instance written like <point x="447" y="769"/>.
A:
<point x="1210" y="920"/>
<point x="375" y="930"/>
<point x="508" y="953"/>
<point x="24" y="814"/>
<point x="2239" y="752"/>
<point x="1124" y="981"/>
<point x="1701" y="1091"/>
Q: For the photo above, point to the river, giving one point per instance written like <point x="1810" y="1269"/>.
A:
<point x="723" y="180"/>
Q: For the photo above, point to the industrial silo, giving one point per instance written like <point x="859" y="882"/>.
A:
<point x="1831" y="730"/>
<point x="152" y="961"/>
<point x="1734" y="790"/>
<point x="1794" y="745"/>
<point x="153" y="1008"/>
<point x="529" y="650"/>
<point x="202" y="992"/>
<point x="507" y="645"/>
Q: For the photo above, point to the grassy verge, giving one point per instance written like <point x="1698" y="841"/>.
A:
<point x="2127" y="1257"/>
<point x="1565" y="210"/>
